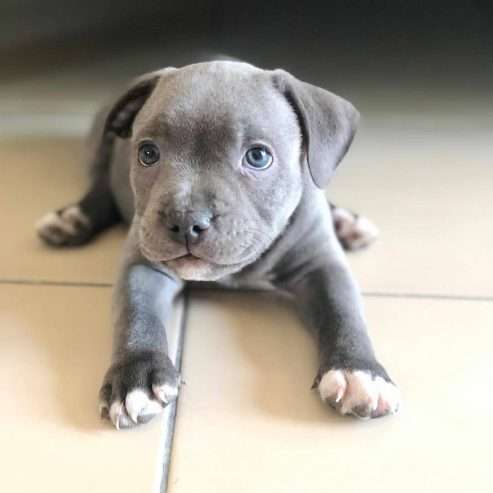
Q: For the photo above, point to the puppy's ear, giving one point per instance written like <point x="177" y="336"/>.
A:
<point x="328" y="124"/>
<point x="123" y="112"/>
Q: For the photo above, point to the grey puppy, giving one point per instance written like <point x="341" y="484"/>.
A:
<point x="219" y="167"/>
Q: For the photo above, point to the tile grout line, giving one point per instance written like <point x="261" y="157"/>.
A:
<point x="171" y="422"/>
<point x="45" y="282"/>
<point x="427" y="296"/>
<point x="367" y="294"/>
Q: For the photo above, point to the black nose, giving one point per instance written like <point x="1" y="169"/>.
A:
<point x="188" y="227"/>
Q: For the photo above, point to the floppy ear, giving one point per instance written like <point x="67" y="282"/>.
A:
<point x="123" y="112"/>
<point x="328" y="124"/>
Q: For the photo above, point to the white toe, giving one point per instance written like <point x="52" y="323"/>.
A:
<point x="366" y="233"/>
<point x="332" y="386"/>
<point x="138" y="404"/>
<point x="362" y="391"/>
<point x="153" y="407"/>
<point x="344" y="220"/>
<point x="74" y="215"/>
<point x="389" y="397"/>
<point x="356" y="231"/>
<point x="165" y="393"/>
<point x="135" y="402"/>
<point x="116" y="411"/>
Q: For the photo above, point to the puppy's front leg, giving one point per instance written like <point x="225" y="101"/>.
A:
<point x="350" y="378"/>
<point x="142" y="378"/>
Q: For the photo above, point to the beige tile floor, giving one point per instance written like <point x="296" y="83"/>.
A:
<point x="39" y="175"/>
<point x="55" y="343"/>
<point x="426" y="183"/>
<point x="247" y="420"/>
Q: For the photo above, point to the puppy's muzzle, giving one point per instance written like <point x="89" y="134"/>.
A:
<point x="187" y="227"/>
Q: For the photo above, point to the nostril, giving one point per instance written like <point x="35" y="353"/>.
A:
<point x="200" y="225"/>
<point x="175" y="228"/>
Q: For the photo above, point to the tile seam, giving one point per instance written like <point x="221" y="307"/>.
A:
<point x="171" y="422"/>
<point x="366" y="294"/>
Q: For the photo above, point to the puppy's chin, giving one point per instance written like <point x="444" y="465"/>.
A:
<point x="197" y="269"/>
<point x="192" y="269"/>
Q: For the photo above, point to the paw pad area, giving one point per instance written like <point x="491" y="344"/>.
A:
<point x="358" y="393"/>
<point x="353" y="231"/>
<point x="70" y="226"/>
<point x="137" y="390"/>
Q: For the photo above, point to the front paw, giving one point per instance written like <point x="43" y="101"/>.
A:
<point x="358" y="393"/>
<point x="137" y="388"/>
<point x="69" y="226"/>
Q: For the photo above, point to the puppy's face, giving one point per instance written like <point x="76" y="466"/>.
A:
<point x="216" y="168"/>
<point x="220" y="155"/>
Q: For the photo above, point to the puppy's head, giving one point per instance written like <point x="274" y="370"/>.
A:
<point x="220" y="155"/>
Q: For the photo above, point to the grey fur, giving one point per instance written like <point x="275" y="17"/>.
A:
<point x="271" y="226"/>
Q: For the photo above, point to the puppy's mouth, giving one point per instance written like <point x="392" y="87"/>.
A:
<point x="190" y="267"/>
<point x="187" y="258"/>
<point x="190" y="259"/>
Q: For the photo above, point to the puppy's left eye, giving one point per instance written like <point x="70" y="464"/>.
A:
<point x="258" y="158"/>
<point x="148" y="154"/>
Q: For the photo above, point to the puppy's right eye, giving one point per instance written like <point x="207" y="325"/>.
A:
<point x="258" y="158"/>
<point x="148" y="154"/>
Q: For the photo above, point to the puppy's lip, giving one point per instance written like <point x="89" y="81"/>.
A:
<point x="192" y="259"/>
<point x="186" y="256"/>
<point x="185" y="259"/>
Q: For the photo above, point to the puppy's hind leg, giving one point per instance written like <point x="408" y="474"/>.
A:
<point x="353" y="231"/>
<point x="78" y="223"/>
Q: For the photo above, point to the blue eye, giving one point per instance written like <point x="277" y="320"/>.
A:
<point x="258" y="158"/>
<point x="148" y="154"/>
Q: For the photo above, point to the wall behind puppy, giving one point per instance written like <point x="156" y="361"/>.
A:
<point x="368" y="33"/>
<point x="395" y="44"/>
<point x="60" y="32"/>
<point x="55" y="52"/>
